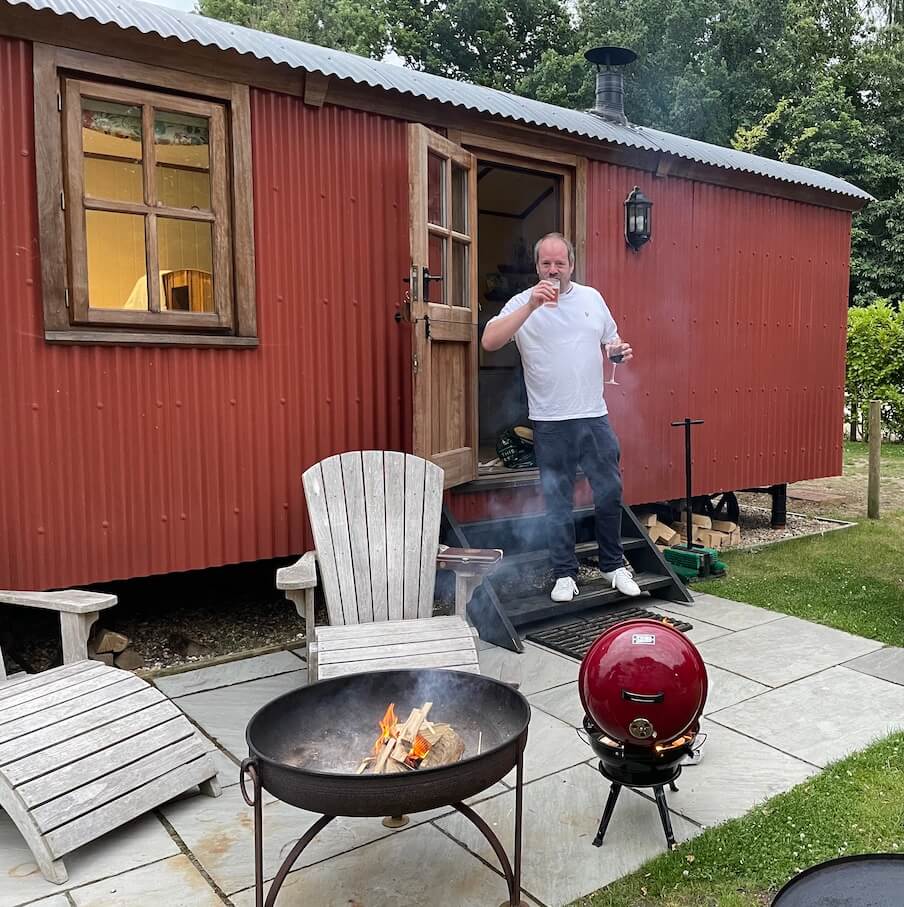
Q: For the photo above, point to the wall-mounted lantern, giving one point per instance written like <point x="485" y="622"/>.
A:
<point x="638" y="219"/>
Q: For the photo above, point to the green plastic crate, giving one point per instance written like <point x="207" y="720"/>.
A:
<point x="696" y="564"/>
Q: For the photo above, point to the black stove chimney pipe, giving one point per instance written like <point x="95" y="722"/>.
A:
<point x="610" y="82"/>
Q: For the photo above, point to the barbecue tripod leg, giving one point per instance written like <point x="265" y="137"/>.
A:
<point x="664" y="815"/>
<point x="614" y="791"/>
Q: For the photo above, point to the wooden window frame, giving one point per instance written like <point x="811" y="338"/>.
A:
<point x="61" y="78"/>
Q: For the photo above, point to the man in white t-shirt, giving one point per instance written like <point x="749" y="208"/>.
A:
<point x="561" y="329"/>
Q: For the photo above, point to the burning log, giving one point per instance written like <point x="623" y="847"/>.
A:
<point x="415" y="743"/>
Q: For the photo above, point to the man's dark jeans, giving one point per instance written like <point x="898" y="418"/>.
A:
<point x="561" y="447"/>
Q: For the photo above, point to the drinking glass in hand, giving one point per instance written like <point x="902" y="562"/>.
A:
<point x="555" y="284"/>
<point x="614" y="355"/>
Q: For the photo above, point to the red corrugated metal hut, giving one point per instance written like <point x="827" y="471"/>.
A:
<point x="284" y="193"/>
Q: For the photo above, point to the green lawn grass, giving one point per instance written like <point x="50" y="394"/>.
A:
<point x="855" y="806"/>
<point x="851" y="579"/>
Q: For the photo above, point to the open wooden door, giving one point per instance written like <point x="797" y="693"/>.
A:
<point x="442" y="179"/>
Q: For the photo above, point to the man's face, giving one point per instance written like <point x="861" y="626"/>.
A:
<point x="552" y="261"/>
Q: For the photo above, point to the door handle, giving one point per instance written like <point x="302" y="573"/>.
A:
<point x="427" y="277"/>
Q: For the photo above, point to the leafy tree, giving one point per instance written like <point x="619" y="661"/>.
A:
<point x="344" y="24"/>
<point x="851" y="124"/>
<point x="875" y="363"/>
<point x="490" y="42"/>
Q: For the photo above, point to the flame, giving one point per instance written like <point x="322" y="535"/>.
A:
<point x="419" y="749"/>
<point x="387" y="728"/>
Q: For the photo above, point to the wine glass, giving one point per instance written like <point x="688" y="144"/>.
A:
<point x="614" y="357"/>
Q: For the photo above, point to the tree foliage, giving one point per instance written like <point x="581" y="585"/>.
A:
<point x="812" y="82"/>
<point x="875" y="361"/>
<point x="344" y="24"/>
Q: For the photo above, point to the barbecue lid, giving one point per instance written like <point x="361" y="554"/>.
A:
<point x="643" y="683"/>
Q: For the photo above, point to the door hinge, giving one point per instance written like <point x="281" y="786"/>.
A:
<point x="414" y="363"/>
<point x="413" y="283"/>
<point x="66" y="296"/>
<point x="63" y="200"/>
<point x="59" y="101"/>
<point x="427" y="326"/>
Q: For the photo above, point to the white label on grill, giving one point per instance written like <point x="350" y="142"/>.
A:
<point x="643" y="639"/>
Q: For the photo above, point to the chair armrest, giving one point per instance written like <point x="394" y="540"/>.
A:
<point x="300" y="575"/>
<point x="469" y="561"/>
<point x="72" y="601"/>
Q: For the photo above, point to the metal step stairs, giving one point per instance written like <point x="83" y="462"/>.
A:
<point x="523" y="539"/>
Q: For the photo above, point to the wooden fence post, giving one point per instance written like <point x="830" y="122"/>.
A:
<point x="875" y="450"/>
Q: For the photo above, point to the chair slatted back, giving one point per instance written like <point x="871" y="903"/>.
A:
<point x="376" y="520"/>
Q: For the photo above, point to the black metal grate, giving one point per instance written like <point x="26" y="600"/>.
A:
<point x="575" y="639"/>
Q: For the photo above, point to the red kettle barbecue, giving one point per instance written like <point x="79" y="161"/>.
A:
<point x="643" y="686"/>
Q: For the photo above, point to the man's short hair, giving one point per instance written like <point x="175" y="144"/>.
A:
<point x="561" y="238"/>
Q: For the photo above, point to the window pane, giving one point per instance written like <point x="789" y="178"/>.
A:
<point x="436" y="258"/>
<point x="459" y="199"/>
<point x="436" y="190"/>
<point x="186" y="265"/>
<point x="458" y="289"/>
<point x="111" y="142"/>
<point x="116" y="261"/>
<point x="182" y="151"/>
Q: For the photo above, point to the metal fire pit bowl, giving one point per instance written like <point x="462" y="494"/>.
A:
<point x="864" y="880"/>
<point x="305" y="746"/>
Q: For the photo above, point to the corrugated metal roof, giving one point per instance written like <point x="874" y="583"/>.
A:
<point x="148" y="18"/>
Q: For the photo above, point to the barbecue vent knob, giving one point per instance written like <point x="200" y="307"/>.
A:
<point x="642" y="729"/>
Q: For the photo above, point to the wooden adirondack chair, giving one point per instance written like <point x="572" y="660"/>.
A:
<point x="376" y="520"/>
<point x="86" y="747"/>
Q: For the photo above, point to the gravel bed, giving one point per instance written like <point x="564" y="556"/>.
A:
<point x="756" y="531"/>
<point x="178" y="619"/>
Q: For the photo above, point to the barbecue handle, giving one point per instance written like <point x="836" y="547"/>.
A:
<point x="642" y="697"/>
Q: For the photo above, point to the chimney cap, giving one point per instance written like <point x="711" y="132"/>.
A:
<point x="610" y="56"/>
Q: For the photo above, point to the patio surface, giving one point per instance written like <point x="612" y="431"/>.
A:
<point x="786" y="697"/>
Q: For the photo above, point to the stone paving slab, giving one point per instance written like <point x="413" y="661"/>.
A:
<point x="701" y="631"/>
<point x="736" y="773"/>
<point x="227" y="769"/>
<point x="224" y="713"/>
<point x="143" y="841"/>
<point x="784" y="650"/>
<point x="726" y="688"/>
<point x="231" y="672"/>
<point x="219" y="834"/>
<point x="534" y="670"/>
<point x="887" y="664"/>
<point x="173" y="883"/>
<point x="823" y="717"/>
<point x="58" y="900"/>
<point x="725" y="613"/>
<point x="561" y="816"/>
<point x="552" y="745"/>
<point x="415" y="866"/>
<point x="562" y="702"/>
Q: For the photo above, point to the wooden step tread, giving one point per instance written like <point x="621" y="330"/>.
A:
<point x="532" y="608"/>
<point x="581" y="549"/>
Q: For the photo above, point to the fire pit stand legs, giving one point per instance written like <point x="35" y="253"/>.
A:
<point x="658" y="793"/>
<point x="512" y="876"/>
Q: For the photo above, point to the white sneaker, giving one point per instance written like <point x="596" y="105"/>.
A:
<point x="564" y="590"/>
<point x="622" y="580"/>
